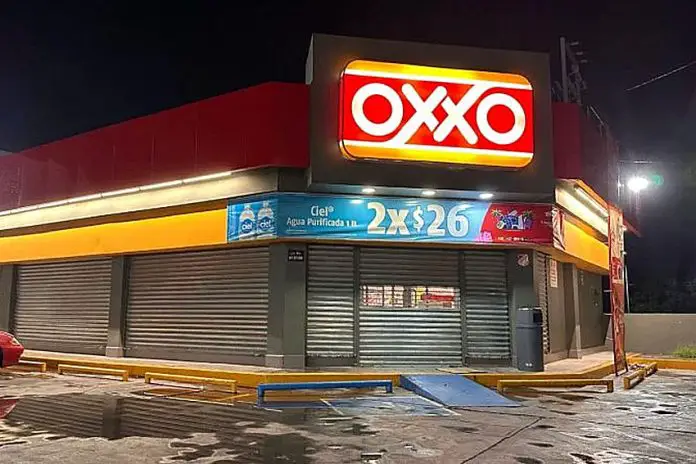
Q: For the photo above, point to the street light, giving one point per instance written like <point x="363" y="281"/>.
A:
<point x="637" y="184"/>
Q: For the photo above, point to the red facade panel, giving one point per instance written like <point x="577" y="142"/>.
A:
<point x="262" y="126"/>
<point x="567" y="147"/>
<point x="584" y="150"/>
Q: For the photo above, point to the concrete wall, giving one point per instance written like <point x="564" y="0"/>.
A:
<point x="659" y="333"/>
<point x="576" y="319"/>
<point x="593" y="321"/>
<point x="557" y="312"/>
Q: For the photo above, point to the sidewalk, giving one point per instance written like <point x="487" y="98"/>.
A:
<point x="591" y="366"/>
<point x="584" y="363"/>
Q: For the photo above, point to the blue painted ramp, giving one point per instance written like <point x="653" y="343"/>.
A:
<point x="454" y="390"/>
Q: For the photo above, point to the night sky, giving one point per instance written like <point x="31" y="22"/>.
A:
<point x="70" y="66"/>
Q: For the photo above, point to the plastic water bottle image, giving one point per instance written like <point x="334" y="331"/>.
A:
<point x="247" y="223"/>
<point x="265" y="222"/>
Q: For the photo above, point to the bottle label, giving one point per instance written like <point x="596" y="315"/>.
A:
<point x="246" y="226"/>
<point x="265" y="225"/>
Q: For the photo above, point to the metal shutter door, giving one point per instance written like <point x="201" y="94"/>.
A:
<point x="64" y="306"/>
<point x="542" y="283"/>
<point x="486" y="303"/>
<point x="400" y="336"/>
<point x="330" y="301"/>
<point x="205" y="305"/>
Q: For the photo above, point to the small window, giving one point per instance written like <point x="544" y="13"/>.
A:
<point x="409" y="297"/>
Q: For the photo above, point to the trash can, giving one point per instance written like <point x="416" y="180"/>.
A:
<point x="529" y="335"/>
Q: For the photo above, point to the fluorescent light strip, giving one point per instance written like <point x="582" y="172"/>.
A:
<point x="407" y="146"/>
<point x="453" y="80"/>
<point x="595" y="204"/>
<point x="114" y="193"/>
<point x="217" y="175"/>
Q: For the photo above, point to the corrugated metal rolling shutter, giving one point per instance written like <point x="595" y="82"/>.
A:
<point x="64" y="306"/>
<point x="330" y="301"/>
<point x="486" y="302"/>
<point x="406" y="335"/>
<point x="205" y="305"/>
<point x="542" y="278"/>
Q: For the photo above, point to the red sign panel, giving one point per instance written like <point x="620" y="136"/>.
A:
<point x="419" y="113"/>
<point x="518" y="223"/>
<point x="617" y="285"/>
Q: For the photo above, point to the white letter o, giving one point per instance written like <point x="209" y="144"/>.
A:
<point x="369" y="127"/>
<point x="501" y="138"/>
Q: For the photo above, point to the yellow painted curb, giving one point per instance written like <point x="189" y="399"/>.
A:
<point x="65" y="368"/>
<point x="505" y="384"/>
<point x="243" y="378"/>
<point x="491" y="379"/>
<point x="230" y="384"/>
<point x="638" y="376"/>
<point x="29" y="365"/>
<point x="666" y="363"/>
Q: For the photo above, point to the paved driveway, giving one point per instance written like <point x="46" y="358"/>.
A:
<point x="71" y="419"/>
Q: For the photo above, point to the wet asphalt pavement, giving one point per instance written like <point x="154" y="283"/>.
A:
<point x="70" y="419"/>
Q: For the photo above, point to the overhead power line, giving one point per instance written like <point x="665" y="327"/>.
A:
<point x="662" y="76"/>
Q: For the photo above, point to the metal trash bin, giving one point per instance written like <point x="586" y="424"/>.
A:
<point x="529" y="336"/>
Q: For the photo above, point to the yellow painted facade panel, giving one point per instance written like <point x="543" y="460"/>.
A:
<point x="584" y="246"/>
<point x="197" y="229"/>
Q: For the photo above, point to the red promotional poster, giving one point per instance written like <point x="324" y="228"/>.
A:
<point x="517" y="222"/>
<point x="616" y="279"/>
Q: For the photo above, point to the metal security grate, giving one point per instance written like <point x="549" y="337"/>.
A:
<point x="486" y="303"/>
<point x="410" y="311"/>
<point x="64" y="306"/>
<point x="330" y="301"/>
<point x="198" y="305"/>
<point x="542" y="283"/>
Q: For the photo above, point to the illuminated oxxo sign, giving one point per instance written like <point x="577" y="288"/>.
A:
<point x="419" y="113"/>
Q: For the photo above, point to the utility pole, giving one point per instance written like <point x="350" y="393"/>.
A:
<point x="572" y="82"/>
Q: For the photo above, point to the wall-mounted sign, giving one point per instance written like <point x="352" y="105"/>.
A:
<point x="553" y="273"/>
<point x="394" y="219"/>
<point x="421" y="113"/>
<point x="296" y="255"/>
<point x="616" y="284"/>
<point x="523" y="260"/>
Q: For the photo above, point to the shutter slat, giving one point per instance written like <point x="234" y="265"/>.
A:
<point x="63" y="306"/>
<point x="210" y="303"/>
<point x="486" y="304"/>
<point x="542" y="267"/>
<point x="410" y="336"/>
<point x="330" y="301"/>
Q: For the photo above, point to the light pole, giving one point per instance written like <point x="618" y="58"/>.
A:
<point x="636" y="181"/>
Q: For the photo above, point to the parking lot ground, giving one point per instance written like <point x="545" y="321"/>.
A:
<point x="80" y="419"/>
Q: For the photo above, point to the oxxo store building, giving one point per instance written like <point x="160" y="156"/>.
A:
<point x="394" y="210"/>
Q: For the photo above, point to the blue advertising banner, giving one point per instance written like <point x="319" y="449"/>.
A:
<point x="385" y="218"/>
<point x="381" y="218"/>
<point x="252" y="220"/>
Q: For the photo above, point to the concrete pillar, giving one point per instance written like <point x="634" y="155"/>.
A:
<point x="117" y="307"/>
<point x="7" y="286"/>
<point x="572" y="305"/>
<point x="287" y="305"/>
<point x="521" y="289"/>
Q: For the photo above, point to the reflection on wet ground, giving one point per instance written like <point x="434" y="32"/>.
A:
<point x="244" y="431"/>
<point x="652" y="423"/>
<point x="240" y="431"/>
